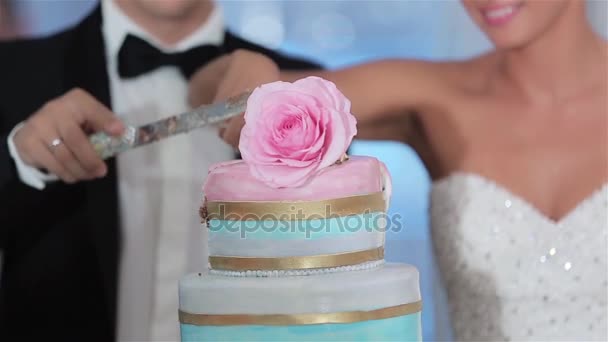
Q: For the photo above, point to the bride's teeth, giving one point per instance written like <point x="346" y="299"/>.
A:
<point x="500" y="12"/>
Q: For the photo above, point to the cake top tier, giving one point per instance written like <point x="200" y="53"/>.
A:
<point x="336" y="217"/>
<point x="232" y="181"/>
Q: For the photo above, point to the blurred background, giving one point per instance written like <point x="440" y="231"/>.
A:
<point x="337" y="34"/>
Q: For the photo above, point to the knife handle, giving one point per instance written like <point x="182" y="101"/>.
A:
<point x="108" y="146"/>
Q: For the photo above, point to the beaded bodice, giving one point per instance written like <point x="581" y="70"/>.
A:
<point x="513" y="274"/>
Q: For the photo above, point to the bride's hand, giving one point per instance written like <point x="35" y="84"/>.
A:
<point x="228" y="76"/>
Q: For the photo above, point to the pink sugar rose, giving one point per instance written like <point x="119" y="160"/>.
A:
<point x="293" y="130"/>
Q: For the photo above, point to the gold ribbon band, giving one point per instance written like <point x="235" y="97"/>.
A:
<point x="300" y="210"/>
<point x="234" y="263"/>
<point x="301" y="319"/>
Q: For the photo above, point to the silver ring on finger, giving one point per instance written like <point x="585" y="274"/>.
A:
<point x="55" y="143"/>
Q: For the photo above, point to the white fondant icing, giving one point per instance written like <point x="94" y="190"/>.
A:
<point x="380" y="287"/>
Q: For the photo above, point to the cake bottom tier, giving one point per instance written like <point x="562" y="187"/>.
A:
<point x="367" y="305"/>
<point x="402" y="328"/>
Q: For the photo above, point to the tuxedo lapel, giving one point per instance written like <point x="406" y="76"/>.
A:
<point x="86" y="68"/>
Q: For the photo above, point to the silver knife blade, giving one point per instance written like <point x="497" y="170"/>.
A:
<point x="108" y="146"/>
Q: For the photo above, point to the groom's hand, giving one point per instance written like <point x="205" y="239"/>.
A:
<point x="228" y="76"/>
<point x="55" y="137"/>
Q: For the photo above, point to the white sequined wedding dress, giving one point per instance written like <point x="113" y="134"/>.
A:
<point x="513" y="274"/>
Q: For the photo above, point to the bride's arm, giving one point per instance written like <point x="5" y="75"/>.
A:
<point x="382" y="93"/>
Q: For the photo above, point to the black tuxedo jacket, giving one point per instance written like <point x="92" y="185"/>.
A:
<point x="61" y="246"/>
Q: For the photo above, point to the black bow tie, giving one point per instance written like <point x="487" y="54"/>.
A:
<point x="137" y="57"/>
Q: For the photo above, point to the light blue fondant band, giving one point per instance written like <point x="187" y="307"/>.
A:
<point x="298" y="229"/>
<point x="402" y="328"/>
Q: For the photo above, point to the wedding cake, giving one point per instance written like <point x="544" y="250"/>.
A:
<point x="296" y="232"/>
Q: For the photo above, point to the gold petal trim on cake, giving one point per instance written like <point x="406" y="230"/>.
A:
<point x="235" y="263"/>
<point x="301" y="319"/>
<point x="299" y="210"/>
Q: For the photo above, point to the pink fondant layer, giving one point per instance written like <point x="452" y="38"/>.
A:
<point x="231" y="181"/>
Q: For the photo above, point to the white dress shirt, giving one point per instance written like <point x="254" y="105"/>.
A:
<point x="159" y="185"/>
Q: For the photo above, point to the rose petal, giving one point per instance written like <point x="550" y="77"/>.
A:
<point x="337" y="141"/>
<point x="325" y="91"/>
